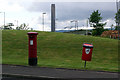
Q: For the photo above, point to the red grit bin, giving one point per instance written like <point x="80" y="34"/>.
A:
<point x="87" y="52"/>
<point x="32" y="48"/>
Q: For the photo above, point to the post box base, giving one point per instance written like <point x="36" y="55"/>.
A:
<point x="32" y="61"/>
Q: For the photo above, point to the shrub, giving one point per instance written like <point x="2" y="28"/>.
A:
<point x="110" y="33"/>
<point x="97" y="32"/>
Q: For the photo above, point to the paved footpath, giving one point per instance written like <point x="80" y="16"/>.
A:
<point x="53" y="73"/>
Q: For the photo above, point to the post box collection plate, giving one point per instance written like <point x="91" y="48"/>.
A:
<point x="31" y="42"/>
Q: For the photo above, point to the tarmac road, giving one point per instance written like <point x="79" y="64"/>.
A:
<point x="14" y="78"/>
<point x="12" y="72"/>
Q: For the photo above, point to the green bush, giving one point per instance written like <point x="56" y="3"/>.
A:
<point x="97" y="32"/>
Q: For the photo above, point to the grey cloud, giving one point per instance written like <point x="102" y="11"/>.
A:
<point x="75" y="10"/>
<point x="39" y="7"/>
<point x="83" y="10"/>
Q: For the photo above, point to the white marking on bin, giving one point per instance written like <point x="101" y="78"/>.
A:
<point x="87" y="50"/>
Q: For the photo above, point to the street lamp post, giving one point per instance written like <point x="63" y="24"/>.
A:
<point x="43" y="20"/>
<point x="4" y="19"/>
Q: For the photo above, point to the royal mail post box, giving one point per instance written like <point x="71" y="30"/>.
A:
<point x="32" y="48"/>
<point x="87" y="52"/>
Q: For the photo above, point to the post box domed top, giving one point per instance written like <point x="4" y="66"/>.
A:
<point x="32" y="33"/>
<point x="88" y="45"/>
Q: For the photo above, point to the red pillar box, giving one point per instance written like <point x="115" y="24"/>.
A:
<point x="87" y="52"/>
<point x="32" y="48"/>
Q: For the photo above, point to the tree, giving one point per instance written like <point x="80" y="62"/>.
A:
<point x="94" y="20"/>
<point x="22" y="27"/>
<point x="112" y="27"/>
<point x="9" y="26"/>
<point x="117" y="18"/>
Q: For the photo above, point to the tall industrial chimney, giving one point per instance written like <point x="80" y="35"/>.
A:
<point x="52" y="17"/>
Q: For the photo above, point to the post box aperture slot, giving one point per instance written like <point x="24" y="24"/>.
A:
<point x="31" y="36"/>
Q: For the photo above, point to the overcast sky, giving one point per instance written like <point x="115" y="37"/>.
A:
<point x="30" y="12"/>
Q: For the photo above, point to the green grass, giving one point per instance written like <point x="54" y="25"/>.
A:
<point x="60" y="50"/>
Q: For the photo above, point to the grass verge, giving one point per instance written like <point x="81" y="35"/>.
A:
<point x="60" y="50"/>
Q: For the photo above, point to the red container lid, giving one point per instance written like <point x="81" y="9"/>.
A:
<point x="88" y="45"/>
<point x="32" y="33"/>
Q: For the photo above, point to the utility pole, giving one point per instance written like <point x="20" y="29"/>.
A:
<point x="76" y="24"/>
<point x="87" y="27"/>
<point x="17" y="22"/>
<point x="4" y="19"/>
